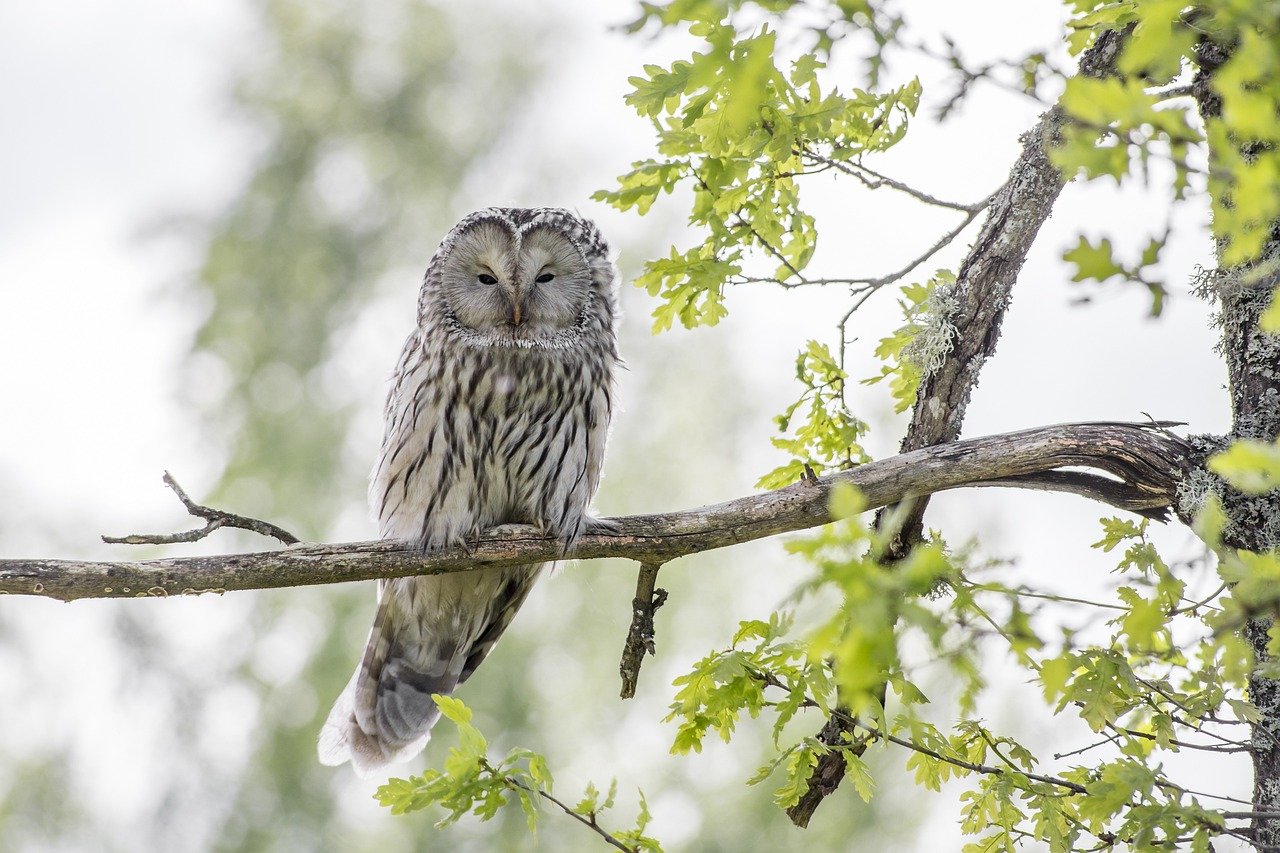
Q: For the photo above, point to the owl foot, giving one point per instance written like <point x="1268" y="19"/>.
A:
<point x="470" y="540"/>
<point x="601" y="527"/>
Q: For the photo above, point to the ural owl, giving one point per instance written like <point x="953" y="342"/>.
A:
<point x="498" y="413"/>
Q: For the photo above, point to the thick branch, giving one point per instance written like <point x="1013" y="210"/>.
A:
<point x="985" y="281"/>
<point x="983" y="289"/>
<point x="1146" y="461"/>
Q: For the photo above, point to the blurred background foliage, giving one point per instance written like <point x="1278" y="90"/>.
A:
<point x="368" y="118"/>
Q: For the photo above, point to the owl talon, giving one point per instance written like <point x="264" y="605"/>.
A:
<point x="601" y="527"/>
<point x="469" y="541"/>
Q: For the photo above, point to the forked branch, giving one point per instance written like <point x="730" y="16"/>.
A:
<point x="215" y="519"/>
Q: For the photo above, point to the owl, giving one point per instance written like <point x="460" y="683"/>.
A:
<point x="498" y="413"/>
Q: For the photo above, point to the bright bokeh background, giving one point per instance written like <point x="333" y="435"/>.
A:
<point x="210" y="246"/>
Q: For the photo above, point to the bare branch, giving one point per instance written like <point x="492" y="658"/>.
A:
<point x="214" y="520"/>
<point x="640" y="637"/>
<point x="1146" y="461"/>
<point x="873" y="180"/>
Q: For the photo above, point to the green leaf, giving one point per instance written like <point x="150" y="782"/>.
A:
<point x="1092" y="261"/>
<point x="859" y="774"/>
<point x="917" y="348"/>
<point x="1270" y="319"/>
<point x="1117" y="530"/>
<point x="1251" y="466"/>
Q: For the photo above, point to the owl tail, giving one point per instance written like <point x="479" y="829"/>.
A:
<point x="386" y="712"/>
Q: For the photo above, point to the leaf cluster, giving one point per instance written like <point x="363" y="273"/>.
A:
<point x="1124" y="121"/>
<point x="824" y="433"/>
<point x="470" y="783"/>
<point x="733" y="123"/>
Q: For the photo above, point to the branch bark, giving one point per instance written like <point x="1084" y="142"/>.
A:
<point x="1135" y="467"/>
<point x="983" y="289"/>
<point x="641" y="636"/>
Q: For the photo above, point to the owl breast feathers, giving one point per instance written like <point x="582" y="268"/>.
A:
<point x="498" y="413"/>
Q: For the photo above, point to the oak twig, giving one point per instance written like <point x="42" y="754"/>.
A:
<point x="640" y="637"/>
<point x="1139" y="467"/>
<point x="588" y="821"/>
<point x="214" y="520"/>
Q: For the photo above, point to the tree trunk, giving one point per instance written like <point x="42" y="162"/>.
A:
<point x="1253" y="370"/>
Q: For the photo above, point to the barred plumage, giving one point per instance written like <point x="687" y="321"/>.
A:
<point x="498" y="413"/>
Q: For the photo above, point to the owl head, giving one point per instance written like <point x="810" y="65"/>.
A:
<point x="523" y="277"/>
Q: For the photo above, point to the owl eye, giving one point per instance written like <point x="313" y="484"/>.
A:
<point x="485" y="278"/>
<point x="545" y="277"/>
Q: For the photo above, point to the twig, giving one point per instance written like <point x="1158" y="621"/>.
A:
<point x="640" y="638"/>
<point x="1121" y="732"/>
<point x="877" y="180"/>
<point x="867" y="285"/>
<point x="590" y="823"/>
<point x="214" y="520"/>
<point x="879" y="734"/>
<point x="942" y="243"/>
<point x="1058" y="756"/>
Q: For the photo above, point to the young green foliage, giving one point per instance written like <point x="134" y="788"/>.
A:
<point x="471" y="783"/>
<point x="877" y="603"/>
<point x="1138" y="122"/>
<point x="825" y="434"/>
<point x="734" y="124"/>
<point x="1251" y="466"/>
<point x="1097" y="262"/>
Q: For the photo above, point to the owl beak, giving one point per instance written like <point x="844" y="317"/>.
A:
<point x="517" y="313"/>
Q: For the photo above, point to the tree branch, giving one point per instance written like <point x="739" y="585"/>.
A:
<point x="1146" y="461"/>
<point x="588" y="822"/>
<point x="983" y="288"/>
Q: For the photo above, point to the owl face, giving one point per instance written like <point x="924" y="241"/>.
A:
<point x="521" y="276"/>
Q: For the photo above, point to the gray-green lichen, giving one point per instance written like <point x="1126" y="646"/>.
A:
<point x="1256" y="277"/>
<point x="1252" y="521"/>
<point x="1260" y="422"/>
<point x="936" y="335"/>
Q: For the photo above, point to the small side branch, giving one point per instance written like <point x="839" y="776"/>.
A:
<point x="589" y="821"/>
<point x="640" y="638"/>
<point x="214" y="520"/>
